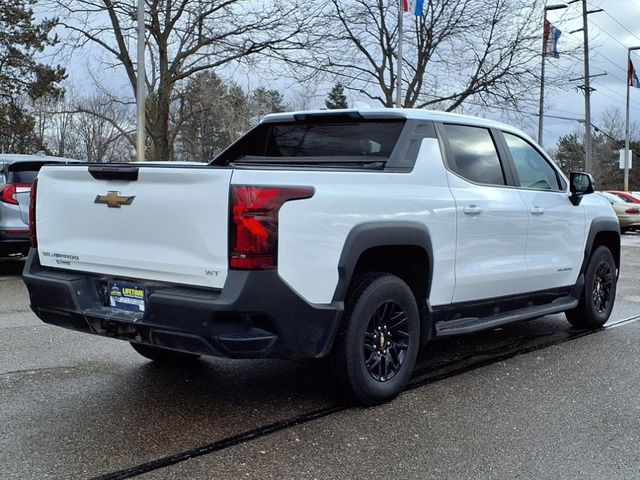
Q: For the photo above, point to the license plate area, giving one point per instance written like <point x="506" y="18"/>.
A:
<point x="127" y="296"/>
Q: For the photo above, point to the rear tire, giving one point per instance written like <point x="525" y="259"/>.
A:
<point x="376" y="348"/>
<point x="599" y="293"/>
<point x="163" y="355"/>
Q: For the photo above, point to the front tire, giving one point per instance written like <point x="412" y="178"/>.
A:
<point x="376" y="349"/>
<point x="599" y="292"/>
<point x="163" y="355"/>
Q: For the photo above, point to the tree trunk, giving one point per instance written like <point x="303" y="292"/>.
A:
<point x="159" y="143"/>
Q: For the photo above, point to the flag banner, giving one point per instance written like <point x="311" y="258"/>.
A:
<point x="416" y="7"/>
<point x="550" y="40"/>
<point x="632" y="77"/>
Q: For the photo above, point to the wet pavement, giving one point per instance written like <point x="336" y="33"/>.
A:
<point x="532" y="400"/>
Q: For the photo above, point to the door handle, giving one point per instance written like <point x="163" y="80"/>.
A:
<point x="537" y="210"/>
<point x="472" y="210"/>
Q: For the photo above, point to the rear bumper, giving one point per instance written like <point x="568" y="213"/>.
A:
<point x="255" y="315"/>
<point x="13" y="242"/>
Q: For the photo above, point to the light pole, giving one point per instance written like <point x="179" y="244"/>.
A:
<point x="626" y="124"/>
<point x="140" y="87"/>
<point x="544" y="57"/>
<point x="399" y="59"/>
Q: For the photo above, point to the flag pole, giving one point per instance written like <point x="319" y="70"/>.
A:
<point x="626" y="123"/>
<point x="545" y="39"/>
<point x="140" y="87"/>
<point x="544" y="57"/>
<point x="399" y="59"/>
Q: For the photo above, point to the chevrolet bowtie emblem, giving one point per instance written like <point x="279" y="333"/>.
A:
<point x="113" y="200"/>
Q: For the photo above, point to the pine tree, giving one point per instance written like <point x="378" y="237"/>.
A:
<point x="21" y="39"/>
<point x="336" y="98"/>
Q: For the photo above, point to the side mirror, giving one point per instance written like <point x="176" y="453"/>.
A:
<point x="581" y="183"/>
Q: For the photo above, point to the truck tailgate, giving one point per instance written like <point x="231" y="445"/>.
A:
<point x="169" y="225"/>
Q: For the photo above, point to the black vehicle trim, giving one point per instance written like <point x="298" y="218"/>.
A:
<point x="328" y="116"/>
<point x="380" y="234"/>
<point x="128" y="173"/>
<point x="472" y="316"/>
<point x="599" y="225"/>
<point x="255" y="315"/>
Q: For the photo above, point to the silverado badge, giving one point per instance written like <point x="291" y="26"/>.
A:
<point x="114" y="200"/>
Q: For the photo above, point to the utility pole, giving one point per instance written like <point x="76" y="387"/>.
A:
<point x="399" y="59"/>
<point x="588" y="162"/>
<point x="140" y="87"/>
<point x="626" y="124"/>
<point x="588" y="159"/>
<point x="544" y="57"/>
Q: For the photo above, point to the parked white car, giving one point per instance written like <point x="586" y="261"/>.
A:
<point x="354" y="234"/>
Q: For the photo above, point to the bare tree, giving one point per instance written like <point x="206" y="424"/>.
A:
<point x="481" y="51"/>
<point x="53" y="116"/>
<point x="184" y="37"/>
<point x="61" y="138"/>
<point x="103" y="129"/>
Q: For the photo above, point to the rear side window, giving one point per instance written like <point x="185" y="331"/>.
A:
<point x="534" y="172"/>
<point x="321" y="142"/>
<point x="473" y="154"/>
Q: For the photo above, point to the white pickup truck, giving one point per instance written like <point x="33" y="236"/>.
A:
<point x="357" y="235"/>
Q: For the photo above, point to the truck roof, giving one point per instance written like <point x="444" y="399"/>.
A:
<point x="409" y="113"/>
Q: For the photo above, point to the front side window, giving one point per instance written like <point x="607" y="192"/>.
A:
<point x="533" y="170"/>
<point x="473" y="154"/>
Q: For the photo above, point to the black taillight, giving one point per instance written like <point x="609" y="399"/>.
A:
<point x="253" y="233"/>
<point x="32" y="214"/>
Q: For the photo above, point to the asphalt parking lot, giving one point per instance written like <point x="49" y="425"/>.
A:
<point x="534" y="400"/>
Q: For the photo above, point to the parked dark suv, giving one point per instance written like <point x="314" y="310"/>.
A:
<point x="17" y="173"/>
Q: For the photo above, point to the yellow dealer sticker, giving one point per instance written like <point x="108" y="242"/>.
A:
<point x="127" y="296"/>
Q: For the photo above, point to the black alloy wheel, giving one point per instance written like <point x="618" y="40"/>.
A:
<point x="376" y="348"/>
<point x="386" y="341"/>
<point x="599" y="293"/>
<point x="602" y="287"/>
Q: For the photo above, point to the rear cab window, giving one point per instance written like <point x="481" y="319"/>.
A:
<point x="472" y="154"/>
<point x="368" y="143"/>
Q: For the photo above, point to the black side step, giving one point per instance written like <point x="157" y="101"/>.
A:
<point x="461" y="326"/>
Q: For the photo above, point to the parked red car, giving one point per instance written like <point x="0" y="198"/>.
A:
<point x="626" y="196"/>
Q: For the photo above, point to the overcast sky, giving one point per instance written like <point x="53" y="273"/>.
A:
<point x="610" y="33"/>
